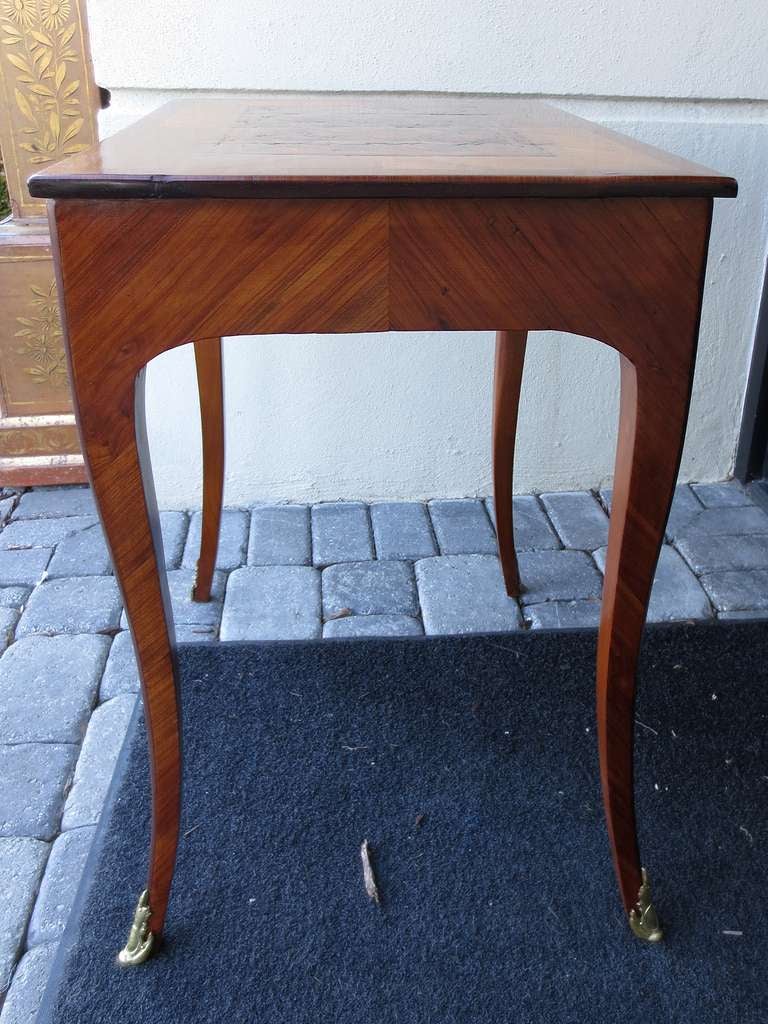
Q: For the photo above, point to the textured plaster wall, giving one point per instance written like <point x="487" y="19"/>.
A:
<point x="408" y="415"/>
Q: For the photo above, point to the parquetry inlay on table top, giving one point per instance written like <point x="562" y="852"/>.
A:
<point x="371" y="145"/>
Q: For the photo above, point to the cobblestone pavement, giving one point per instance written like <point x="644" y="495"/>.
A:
<point x="67" y="675"/>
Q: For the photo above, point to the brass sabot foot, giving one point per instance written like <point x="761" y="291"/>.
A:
<point x="643" y="919"/>
<point x="138" y="948"/>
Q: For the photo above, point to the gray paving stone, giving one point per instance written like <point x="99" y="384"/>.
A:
<point x="563" y="614"/>
<point x="578" y="518"/>
<point x="8" y="619"/>
<point x="727" y="494"/>
<point x="13" y="597"/>
<point x="196" y="634"/>
<point x="42" y="533"/>
<point x="462" y="527"/>
<point x="121" y="674"/>
<point x="676" y="593"/>
<point x="280" y="535"/>
<point x="81" y="554"/>
<point x="96" y="763"/>
<point x="43" y="502"/>
<point x="465" y="594"/>
<point x="341" y="532"/>
<point x="233" y="539"/>
<point x="59" y="886"/>
<point x="272" y="602"/>
<point x="26" y="992"/>
<point x="33" y="781"/>
<point x="24" y="567"/>
<point x="173" y="527"/>
<point x="558" y="576"/>
<point x="373" y="625"/>
<point x="48" y="686"/>
<point x="187" y="612"/>
<point x="22" y="862"/>
<point x="369" y="588"/>
<point x="533" y="530"/>
<point x="738" y="591"/>
<point x="685" y="507"/>
<point x="741" y="614"/>
<point x="707" y="553"/>
<point x="6" y="507"/>
<point x="725" y="521"/>
<point x="401" y="530"/>
<point x="85" y="604"/>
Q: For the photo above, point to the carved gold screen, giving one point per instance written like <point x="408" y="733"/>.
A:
<point x="48" y="104"/>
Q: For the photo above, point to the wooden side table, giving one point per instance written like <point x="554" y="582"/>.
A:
<point x="304" y="214"/>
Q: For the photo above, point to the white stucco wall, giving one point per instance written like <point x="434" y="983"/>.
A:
<point x="403" y="415"/>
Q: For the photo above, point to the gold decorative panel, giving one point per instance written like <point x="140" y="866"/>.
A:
<point x="48" y="104"/>
<point x="48" y="101"/>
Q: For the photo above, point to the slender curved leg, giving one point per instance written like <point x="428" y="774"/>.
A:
<point x="508" y="376"/>
<point x="111" y="418"/>
<point x="654" y="409"/>
<point x="210" y="389"/>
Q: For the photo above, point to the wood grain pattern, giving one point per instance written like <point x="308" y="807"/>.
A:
<point x="375" y="145"/>
<point x="210" y="387"/>
<point x="507" y="386"/>
<point x="138" y="278"/>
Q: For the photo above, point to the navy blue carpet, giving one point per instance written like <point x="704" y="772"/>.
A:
<point x="470" y="765"/>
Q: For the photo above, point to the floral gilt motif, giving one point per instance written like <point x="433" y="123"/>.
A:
<point x="37" y="40"/>
<point x="42" y="339"/>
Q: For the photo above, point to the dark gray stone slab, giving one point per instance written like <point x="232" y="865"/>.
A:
<point x="173" y="527"/>
<point x="233" y="539"/>
<point x="121" y="674"/>
<point x="369" y="588"/>
<point x="578" y="518"/>
<point x="280" y="535"/>
<point x="22" y="862"/>
<point x="676" y="592"/>
<point x="465" y="594"/>
<point x="26" y="992"/>
<point x="33" y="781"/>
<point x="341" y="532"/>
<point x="726" y="494"/>
<point x="42" y="502"/>
<point x="42" y="533"/>
<point x="48" y="687"/>
<point x="563" y="614"/>
<point x="462" y="527"/>
<point x="24" y="567"/>
<point x="401" y="530"/>
<point x="533" y="530"/>
<point x="738" y="591"/>
<point x="96" y="763"/>
<point x="272" y="602"/>
<point x="13" y="597"/>
<point x="59" y="886"/>
<point x="373" y="625"/>
<point x="86" y="604"/>
<point x="81" y="554"/>
<point x="558" y="576"/>
<point x="187" y="612"/>
<point x="706" y="553"/>
<point x="8" y="619"/>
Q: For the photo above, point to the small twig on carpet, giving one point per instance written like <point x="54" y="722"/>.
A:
<point x="190" y="830"/>
<point x="368" y="876"/>
<point x="644" y="726"/>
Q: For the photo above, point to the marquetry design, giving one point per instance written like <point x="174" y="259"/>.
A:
<point x="59" y="437"/>
<point x="48" y="102"/>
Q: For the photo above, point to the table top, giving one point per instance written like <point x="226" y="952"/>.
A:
<point x="377" y="145"/>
